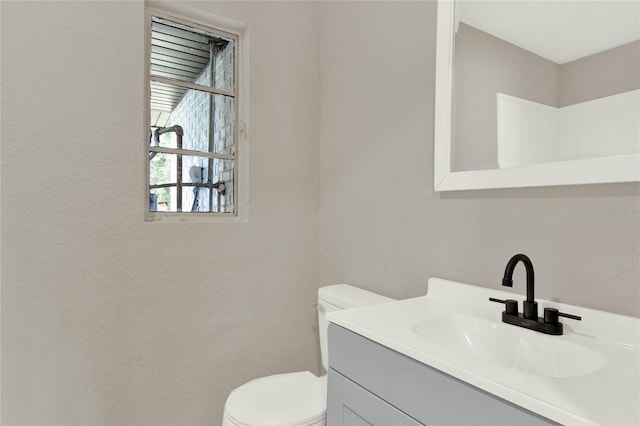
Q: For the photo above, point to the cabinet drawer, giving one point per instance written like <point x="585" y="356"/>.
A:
<point x="351" y="405"/>
<point x="424" y="393"/>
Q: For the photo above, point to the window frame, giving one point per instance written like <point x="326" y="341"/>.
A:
<point x="238" y="33"/>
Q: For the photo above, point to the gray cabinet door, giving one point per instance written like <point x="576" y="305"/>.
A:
<point x="351" y="405"/>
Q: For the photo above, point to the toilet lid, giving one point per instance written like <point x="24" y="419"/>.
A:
<point x="283" y="399"/>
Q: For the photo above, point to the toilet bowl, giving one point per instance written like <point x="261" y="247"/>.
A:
<point x="295" y="399"/>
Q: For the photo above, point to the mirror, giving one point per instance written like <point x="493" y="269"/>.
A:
<point x="536" y="93"/>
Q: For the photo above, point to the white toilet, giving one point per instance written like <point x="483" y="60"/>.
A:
<point x="295" y="399"/>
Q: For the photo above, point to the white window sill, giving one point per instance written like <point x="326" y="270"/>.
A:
<point x="193" y="217"/>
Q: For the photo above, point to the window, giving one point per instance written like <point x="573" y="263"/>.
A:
<point x="193" y="136"/>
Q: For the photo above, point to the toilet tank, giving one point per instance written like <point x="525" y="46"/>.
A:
<point x="338" y="297"/>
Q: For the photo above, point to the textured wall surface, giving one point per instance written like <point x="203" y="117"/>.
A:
<point x="107" y="319"/>
<point x="381" y="225"/>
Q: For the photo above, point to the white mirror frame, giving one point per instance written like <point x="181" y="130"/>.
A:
<point x="623" y="168"/>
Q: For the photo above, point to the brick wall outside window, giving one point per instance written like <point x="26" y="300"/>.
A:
<point x="193" y="114"/>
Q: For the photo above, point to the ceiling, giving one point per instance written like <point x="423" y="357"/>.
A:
<point x="561" y="31"/>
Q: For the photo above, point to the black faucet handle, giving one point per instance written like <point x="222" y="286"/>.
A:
<point x="511" y="306"/>
<point x="551" y="316"/>
<point x="570" y="316"/>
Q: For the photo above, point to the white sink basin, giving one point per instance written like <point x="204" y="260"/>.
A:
<point x="590" y="375"/>
<point x="508" y="346"/>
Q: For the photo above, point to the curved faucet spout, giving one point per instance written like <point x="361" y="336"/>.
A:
<point x="530" y="306"/>
<point x="508" y="274"/>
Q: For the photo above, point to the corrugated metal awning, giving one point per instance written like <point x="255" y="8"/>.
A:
<point x="177" y="52"/>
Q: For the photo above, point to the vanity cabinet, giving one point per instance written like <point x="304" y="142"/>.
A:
<point x="370" y="384"/>
<point x="353" y="405"/>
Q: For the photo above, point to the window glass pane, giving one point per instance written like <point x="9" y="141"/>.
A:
<point x="206" y="185"/>
<point x="162" y="199"/>
<point x="224" y="124"/>
<point x="186" y="54"/>
<point x="162" y="172"/>
<point x="223" y="171"/>
<point x="162" y="168"/>
<point x="192" y="112"/>
<point x="189" y="109"/>
<point x="163" y="100"/>
<point x="224" y="59"/>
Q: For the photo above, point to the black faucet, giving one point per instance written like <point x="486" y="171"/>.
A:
<point x="530" y="306"/>
<point x="529" y="318"/>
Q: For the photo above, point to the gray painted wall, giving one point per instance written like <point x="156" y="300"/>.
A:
<point x="381" y="225"/>
<point x="485" y="65"/>
<point x="106" y="319"/>
<point x="606" y="73"/>
<point x="97" y="328"/>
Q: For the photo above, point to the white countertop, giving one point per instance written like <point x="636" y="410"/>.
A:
<point x="607" y="395"/>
